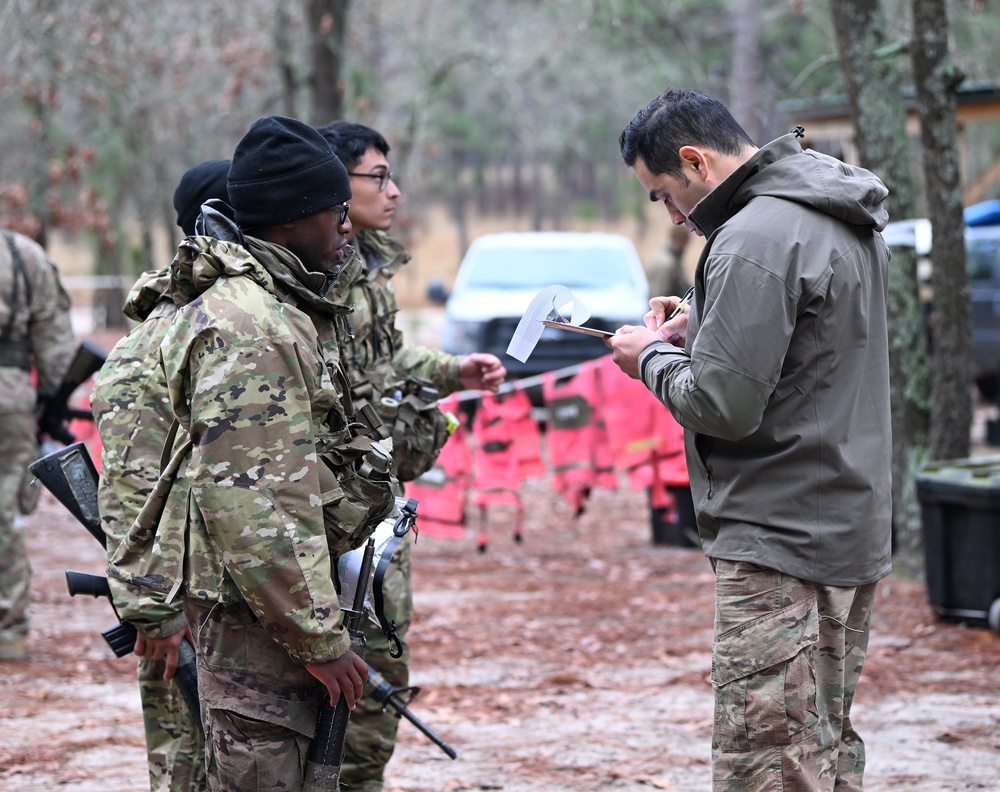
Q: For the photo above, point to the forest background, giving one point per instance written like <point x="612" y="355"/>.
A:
<point x="502" y="114"/>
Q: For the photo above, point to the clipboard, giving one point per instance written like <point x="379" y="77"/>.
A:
<point x="591" y="331"/>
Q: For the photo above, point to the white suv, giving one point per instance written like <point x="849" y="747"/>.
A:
<point x="502" y="272"/>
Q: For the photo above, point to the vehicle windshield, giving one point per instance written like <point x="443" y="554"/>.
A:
<point x="579" y="268"/>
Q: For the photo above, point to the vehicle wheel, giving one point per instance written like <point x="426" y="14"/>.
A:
<point x="994" y="616"/>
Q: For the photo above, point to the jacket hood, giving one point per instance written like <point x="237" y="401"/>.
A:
<point x="782" y="169"/>
<point x="201" y="260"/>
<point x="149" y="290"/>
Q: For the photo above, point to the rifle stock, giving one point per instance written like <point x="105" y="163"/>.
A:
<point x="70" y="475"/>
<point x="54" y="411"/>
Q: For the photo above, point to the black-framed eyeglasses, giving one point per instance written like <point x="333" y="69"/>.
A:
<point x="383" y="178"/>
<point x="343" y="209"/>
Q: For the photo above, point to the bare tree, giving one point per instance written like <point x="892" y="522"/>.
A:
<point x="874" y="90"/>
<point x="936" y="77"/>
<point x="327" y="26"/>
<point x="745" y="82"/>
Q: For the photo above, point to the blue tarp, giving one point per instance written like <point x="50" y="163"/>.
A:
<point x="983" y="214"/>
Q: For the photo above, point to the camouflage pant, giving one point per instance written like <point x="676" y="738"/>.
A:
<point x="786" y="660"/>
<point x="175" y="749"/>
<point x="18" y="449"/>
<point x="371" y="735"/>
<point x="259" y="706"/>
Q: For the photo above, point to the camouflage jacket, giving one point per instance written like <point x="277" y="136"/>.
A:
<point x="375" y="339"/>
<point x="381" y="365"/>
<point x="132" y="410"/>
<point x="35" y="320"/>
<point x="267" y="448"/>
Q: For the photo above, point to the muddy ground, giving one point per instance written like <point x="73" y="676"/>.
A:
<point x="577" y="659"/>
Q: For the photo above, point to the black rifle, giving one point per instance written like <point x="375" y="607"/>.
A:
<point x="326" y="752"/>
<point x="70" y="475"/>
<point x="54" y="412"/>
<point x="121" y="638"/>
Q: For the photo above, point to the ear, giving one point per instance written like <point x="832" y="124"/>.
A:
<point x="693" y="158"/>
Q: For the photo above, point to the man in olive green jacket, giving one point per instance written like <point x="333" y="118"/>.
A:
<point x="782" y="385"/>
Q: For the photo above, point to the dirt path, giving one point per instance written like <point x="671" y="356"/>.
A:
<point x="577" y="659"/>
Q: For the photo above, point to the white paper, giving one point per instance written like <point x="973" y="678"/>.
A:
<point x="547" y="304"/>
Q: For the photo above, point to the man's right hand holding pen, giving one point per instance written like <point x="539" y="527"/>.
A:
<point x="668" y="317"/>
<point x="665" y="321"/>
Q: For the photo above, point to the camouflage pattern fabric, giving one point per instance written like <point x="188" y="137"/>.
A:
<point x="39" y="321"/>
<point x="175" y="748"/>
<point x="239" y="522"/>
<point x="256" y="398"/>
<point x="260" y="706"/>
<point x="378" y="363"/>
<point x="133" y="417"/>
<point x="18" y="449"/>
<point x="786" y="660"/>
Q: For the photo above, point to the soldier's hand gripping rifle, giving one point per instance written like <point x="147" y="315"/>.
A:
<point x="121" y="638"/>
<point x="54" y="412"/>
<point x="70" y="475"/>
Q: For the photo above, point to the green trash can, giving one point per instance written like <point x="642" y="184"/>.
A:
<point x="960" y="508"/>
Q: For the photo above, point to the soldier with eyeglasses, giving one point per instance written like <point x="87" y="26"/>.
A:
<point x="382" y="366"/>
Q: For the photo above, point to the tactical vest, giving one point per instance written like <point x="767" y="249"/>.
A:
<point x="406" y="404"/>
<point x="356" y="479"/>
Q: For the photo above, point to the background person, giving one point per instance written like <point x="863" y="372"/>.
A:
<point x="783" y="389"/>
<point x="665" y="273"/>
<point x="35" y="332"/>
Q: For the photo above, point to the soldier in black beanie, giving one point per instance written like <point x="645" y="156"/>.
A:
<point x="283" y="170"/>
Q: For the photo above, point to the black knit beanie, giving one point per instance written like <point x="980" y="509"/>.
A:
<point x="201" y="183"/>
<point x="283" y="170"/>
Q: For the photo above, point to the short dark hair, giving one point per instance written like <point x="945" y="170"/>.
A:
<point x="350" y="141"/>
<point x="680" y="118"/>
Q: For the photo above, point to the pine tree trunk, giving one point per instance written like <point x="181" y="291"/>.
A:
<point x="936" y="78"/>
<point x="873" y="86"/>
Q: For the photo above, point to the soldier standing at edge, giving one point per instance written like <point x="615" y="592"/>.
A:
<point x="35" y="330"/>
<point x="131" y="406"/>
<point x="380" y="364"/>
<point x="272" y="474"/>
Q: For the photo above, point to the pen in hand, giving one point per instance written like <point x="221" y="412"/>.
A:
<point x="680" y="306"/>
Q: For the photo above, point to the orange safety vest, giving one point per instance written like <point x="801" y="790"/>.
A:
<point x="576" y="438"/>
<point x="443" y="490"/>
<point x="646" y="441"/>
<point x="506" y="451"/>
<point x="628" y="411"/>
